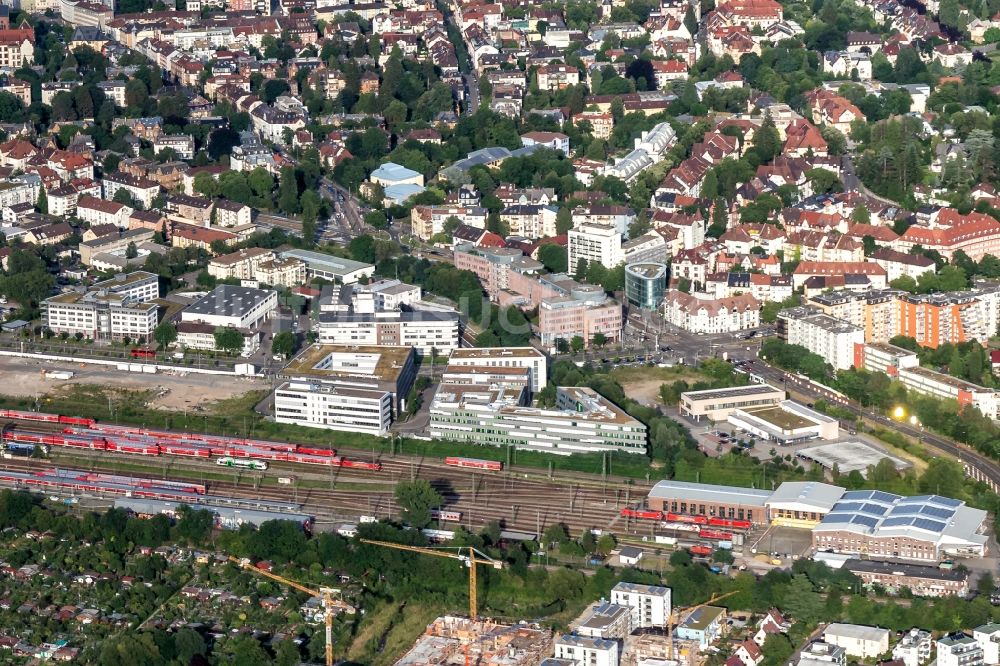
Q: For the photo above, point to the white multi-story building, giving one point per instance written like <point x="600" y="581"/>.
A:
<point x="583" y="421"/>
<point x="711" y="315"/>
<point x="504" y="357"/>
<point x="858" y="640"/>
<point x="988" y="638"/>
<point x="831" y="338"/>
<point x="229" y="306"/>
<point x="600" y="243"/>
<point x="426" y="331"/>
<point x="333" y="407"/>
<point x="388" y="294"/>
<point x="142" y="190"/>
<point x="914" y="648"/>
<point x="114" y="309"/>
<point x="940" y="385"/>
<point x="101" y="211"/>
<point x="586" y="650"/>
<point x="959" y="649"/>
<point x="650" y="604"/>
<point x="883" y="357"/>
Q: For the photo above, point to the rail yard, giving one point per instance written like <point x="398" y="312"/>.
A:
<point x="334" y="486"/>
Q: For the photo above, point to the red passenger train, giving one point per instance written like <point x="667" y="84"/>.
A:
<point x="474" y="463"/>
<point x="84" y="433"/>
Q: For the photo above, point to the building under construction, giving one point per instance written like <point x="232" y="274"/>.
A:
<point x="457" y="641"/>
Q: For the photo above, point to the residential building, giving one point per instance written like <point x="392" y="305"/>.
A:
<point x="914" y="648"/>
<point x="711" y="315"/>
<point x="705" y="625"/>
<point x="898" y="264"/>
<point x="389" y="294"/>
<point x="821" y="334"/>
<point x="921" y="580"/>
<point x="607" y="620"/>
<point x="189" y="235"/>
<point x="232" y="214"/>
<point x="928" y="382"/>
<point x="858" y="640"/>
<point x="141" y="190"/>
<point x="585" y="650"/>
<point x="600" y="243"/>
<point x="582" y="420"/>
<point x="101" y="211"/>
<point x="650" y="604"/>
<point x="883" y="357"/>
<point x="819" y="653"/>
<point x="988" y="638"/>
<point x="959" y="649"/>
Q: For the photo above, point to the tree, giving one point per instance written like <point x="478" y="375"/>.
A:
<point x="228" y="339"/>
<point x="577" y="344"/>
<point x="284" y="343"/>
<point x="131" y="251"/>
<point x="362" y="248"/>
<point x="555" y="534"/>
<point x="42" y="205"/>
<point x="767" y="140"/>
<point x="553" y="257"/>
<point x="599" y="339"/>
<point x="165" y="334"/>
<point x="416" y="498"/>
<point x="288" y="191"/>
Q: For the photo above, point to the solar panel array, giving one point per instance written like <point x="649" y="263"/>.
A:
<point x="871" y="511"/>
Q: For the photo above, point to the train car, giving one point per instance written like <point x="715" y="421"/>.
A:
<point x="31" y="416"/>
<point x="244" y="463"/>
<point x="186" y="450"/>
<point x="143" y="353"/>
<point x="354" y="464"/>
<point x="453" y="516"/>
<point x="474" y="463"/>
<point x="715" y="535"/>
<point x="683" y="527"/>
<point x="644" y="514"/>
<point x="438" y="536"/>
<point x="685" y="518"/>
<point x="270" y="446"/>
<point x="23" y="450"/>
<point x="139" y="449"/>
<point x="702" y="551"/>
<point x="729" y="522"/>
<point x="77" y="420"/>
<point x="264" y="454"/>
<point x="310" y="459"/>
<point x="329" y="453"/>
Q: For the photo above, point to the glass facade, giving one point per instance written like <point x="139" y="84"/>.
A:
<point x="645" y="284"/>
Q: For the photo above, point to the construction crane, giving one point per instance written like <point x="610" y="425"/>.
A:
<point x="471" y="560"/>
<point x="690" y="609"/>
<point x="325" y="593"/>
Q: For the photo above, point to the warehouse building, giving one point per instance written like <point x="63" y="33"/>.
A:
<point x="230" y="306"/>
<point x="329" y="267"/>
<point x="710" y="500"/>
<point x="802" y="503"/>
<point x="230" y="518"/>
<point x="718" y="404"/>
<point x="922" y="528"/>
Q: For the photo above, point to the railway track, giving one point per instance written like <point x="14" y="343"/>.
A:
<point x="520" y="498"/>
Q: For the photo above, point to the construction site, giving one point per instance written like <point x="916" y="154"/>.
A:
<point x="459" y="641"/>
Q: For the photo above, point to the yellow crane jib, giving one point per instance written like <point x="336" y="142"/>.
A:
<point x="467" y="555"/>
<point x="330" y="605"/>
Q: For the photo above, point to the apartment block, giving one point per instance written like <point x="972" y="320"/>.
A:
<point x="959" y="649"/>
<point x="914" y="648"/>
<point x="142" y="190"/>
<point x="833" y="339"/>
<point x="600" y="243"/>
<point x="940" y="385"/>
<point x="883" y="357"/>
<point x="650" y="604"/>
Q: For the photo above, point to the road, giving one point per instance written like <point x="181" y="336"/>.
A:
<point x="977" y="465"/>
